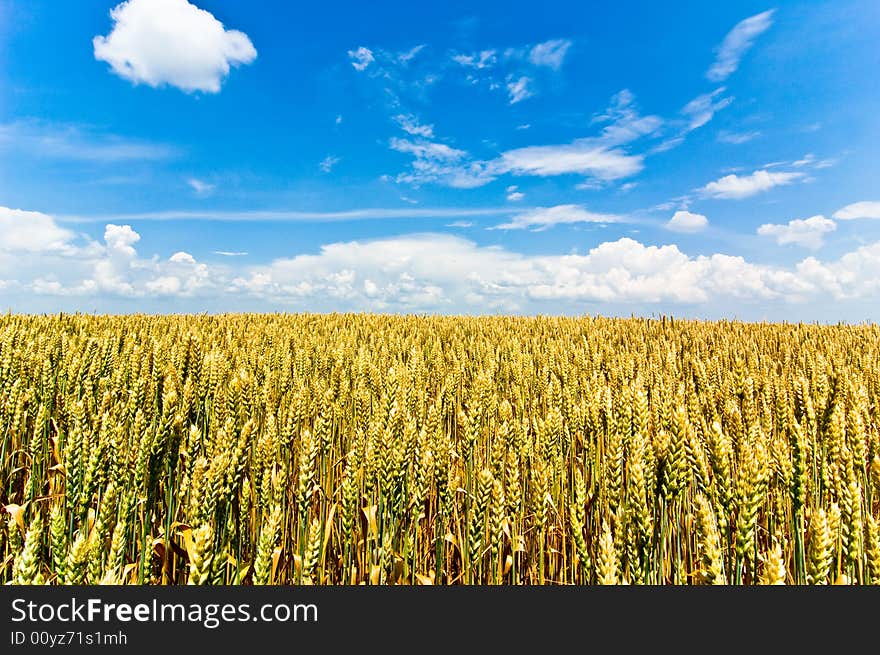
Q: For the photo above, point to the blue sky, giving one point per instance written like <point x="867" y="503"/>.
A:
<point x="702" y="159"/>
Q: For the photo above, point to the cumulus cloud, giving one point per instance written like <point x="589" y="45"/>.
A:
<point x="428" y="272"/>
<point x="67" y="265"/>
<point x="736" y="187"/>
<point x="182" y="258"/>
<point x="158" y="42"/>
<point x="361" y="58"/>
<point x="550" y="53"/>
<point x="542" y="218"/>
<point x="864" y="209"/>
<point x="449" y="273"/>
<point x="120" y="239"/>
<point x="736" y="43"/>
<point x="28" y="231"/>
<point x="808" y="232"/>
<point x="685" y="221"/>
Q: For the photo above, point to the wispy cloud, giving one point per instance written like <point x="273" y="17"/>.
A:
<point x="478" y="60"/>
<point x="738" y="138"/>
<point x="201" y="187"/>
<point x="602" y="157"/>
<point x="736" y="43"/>
<point x="550" y="53"/>
<point x="811" y="161"/>
<point x="229" y="253"/>
<point x="703" y="108"/>
<point x="518" y="89"/>
<point x="542" y="218"/>
<point x="77" y="143"/>
<point x="411" y="125"/>
<point x="408" y="55"/>
<point x="372" y="213"/>
<point x="328" y="163"/>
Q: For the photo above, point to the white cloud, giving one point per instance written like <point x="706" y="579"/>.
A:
<point x="811" y="161"/>
<point x="408" y="55"/>
<point x="120" y="239"/>
<point x="165" y="285"/>
<point x="429" y="272"/>
<point x="361" y="58"/>
<point x="411" y="125"/>
<point x="514" y="194"/>
<point x="200" y="187"/>
<point x="624" y="123"/>
<point x="685" y="221"/>
<point x="864" y="209"/>
<point x="449" y="273"/>
<point x="703" y="108"/>
<point x="328" y="163"/>
<point x="460" y="224"/>
<point x="808" y="232"/>
<point x="182" y="258"/>
<point x="28" y="231"/>
<point x="550" y="53"/>
<point x="602" y="158"/>
<point x="479" y="60"/>
<point x="737" y="138"/>
<point x="744" y="186"/>
<point x="584" y="156"/>
<point x="439" y="163"/>
<point x="229" y="253"/>
<point x="426" y="149"/>
<point x="518" y="90"/>
<point x="542" y="218"/>
<point x="736" y="43"/>
<point x="158" y="42"/>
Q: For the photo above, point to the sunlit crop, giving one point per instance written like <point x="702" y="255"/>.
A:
<point x="366" y="449"/>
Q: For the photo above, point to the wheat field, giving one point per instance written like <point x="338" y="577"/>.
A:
<point x="368" y="449"/>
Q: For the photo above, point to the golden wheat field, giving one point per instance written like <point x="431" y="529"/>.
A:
<point x="368" y="449"/>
